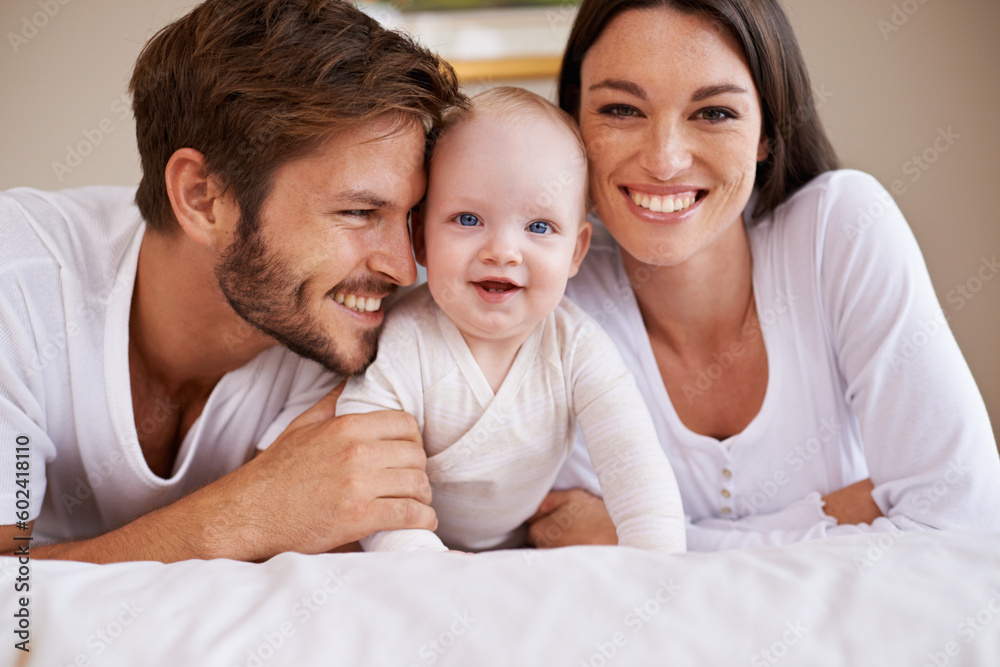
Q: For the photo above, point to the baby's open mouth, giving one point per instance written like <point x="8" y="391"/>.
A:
<point x="496" y="286"/>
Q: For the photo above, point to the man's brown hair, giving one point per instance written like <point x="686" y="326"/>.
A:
<point x="254" y="84"/>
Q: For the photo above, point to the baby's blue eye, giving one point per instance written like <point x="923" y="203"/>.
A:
<point x="539" y="227"/>
<point x="468" y="220"/>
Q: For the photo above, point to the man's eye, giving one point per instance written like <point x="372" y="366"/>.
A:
<point x="358" y="213"/>
<point x="539" y="227"/>
<point x="468" y="220"/>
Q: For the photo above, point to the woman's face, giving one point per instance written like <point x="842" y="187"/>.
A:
<point x="672" y="123"/>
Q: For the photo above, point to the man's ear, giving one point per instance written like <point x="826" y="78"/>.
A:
<point x="417" y="235"/>
<point x="197" y="201"/>
<point x="582" y="246"/>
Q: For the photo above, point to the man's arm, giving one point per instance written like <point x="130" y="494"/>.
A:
<point x="325" y="481"/>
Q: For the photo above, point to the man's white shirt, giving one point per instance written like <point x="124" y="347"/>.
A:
<point x="67" y="269"/>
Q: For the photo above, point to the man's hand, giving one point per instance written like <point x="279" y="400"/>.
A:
<point x="326" y="481"/>
<point x="330" y="480"/>
<point x="852" y="504"/>
<point x="566" y="518"/>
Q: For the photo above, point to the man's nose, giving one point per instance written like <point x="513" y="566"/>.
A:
<point x="393" y="255"/>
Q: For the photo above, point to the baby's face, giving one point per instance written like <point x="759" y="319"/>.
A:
<point x="503" y="223"/>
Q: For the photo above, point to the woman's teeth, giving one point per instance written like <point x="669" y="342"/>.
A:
<point x="358" y="304"/>
<point x="667" y="204"/>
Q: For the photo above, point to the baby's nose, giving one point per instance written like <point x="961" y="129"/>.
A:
<point x="501" y="248"/>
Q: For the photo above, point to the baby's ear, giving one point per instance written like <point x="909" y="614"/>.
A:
<point x="417" y="236"/>
<point x="582" y="246"/>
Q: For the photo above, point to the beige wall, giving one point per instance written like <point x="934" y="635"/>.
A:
<point x="891" y="93"/>
<point x="886" y="94"/>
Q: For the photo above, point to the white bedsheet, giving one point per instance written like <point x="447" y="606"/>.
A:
<point x="890" y="600"/>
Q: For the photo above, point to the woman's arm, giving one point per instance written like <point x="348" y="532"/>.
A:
<point x="928" y="444"/>
<point x="852" y="504"/>
<point x="567" y="518"/>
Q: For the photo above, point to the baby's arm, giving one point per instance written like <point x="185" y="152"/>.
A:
<point x="636" y="479"/>
<point x="392" y="382"/>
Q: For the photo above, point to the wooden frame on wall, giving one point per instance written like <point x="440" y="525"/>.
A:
<point x="488" y="40"/>
<point x="525" y="67"/>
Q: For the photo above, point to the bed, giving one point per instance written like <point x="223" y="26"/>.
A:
<point x="888" y="600"/>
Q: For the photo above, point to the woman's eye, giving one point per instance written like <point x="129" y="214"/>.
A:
<point x="716" y="115"/>
<point x="468" y="220"/>
<point x="619" y="111"/>
<point x="539" y="227"/>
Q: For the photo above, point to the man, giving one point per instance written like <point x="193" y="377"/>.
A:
<point x="150" y="349"/>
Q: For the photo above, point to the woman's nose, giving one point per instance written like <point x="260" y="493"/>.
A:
<point x="666" y="151"/>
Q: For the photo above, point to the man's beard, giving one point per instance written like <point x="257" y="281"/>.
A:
<point x="263" y="290"/>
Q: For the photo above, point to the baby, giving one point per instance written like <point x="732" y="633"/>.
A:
<point x="497" y="366"/>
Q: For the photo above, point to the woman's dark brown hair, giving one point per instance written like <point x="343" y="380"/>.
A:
<point x="254" y="84"/>
<point x="798" y="147"/>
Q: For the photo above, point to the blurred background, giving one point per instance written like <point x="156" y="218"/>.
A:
<point x="906" y="88"/>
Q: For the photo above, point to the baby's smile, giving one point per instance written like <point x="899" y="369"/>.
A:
<point x="496" y="290"/>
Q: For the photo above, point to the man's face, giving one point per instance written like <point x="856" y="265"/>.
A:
<point x="331" y="243"/>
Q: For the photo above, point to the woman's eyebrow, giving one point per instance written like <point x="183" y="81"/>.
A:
<point x="718" y="89"/>
<point x="702" y="93"/>
<point x="624" y="86"/>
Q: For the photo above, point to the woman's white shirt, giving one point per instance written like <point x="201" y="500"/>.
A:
<point x="865" y="379"/>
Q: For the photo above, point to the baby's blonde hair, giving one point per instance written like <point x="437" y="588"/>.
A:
<point x="508" y="103"/>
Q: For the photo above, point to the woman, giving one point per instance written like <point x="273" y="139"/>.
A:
<point x="800" y="371"/>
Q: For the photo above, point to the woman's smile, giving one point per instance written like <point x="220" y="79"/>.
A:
<point x="674" y="141"/>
